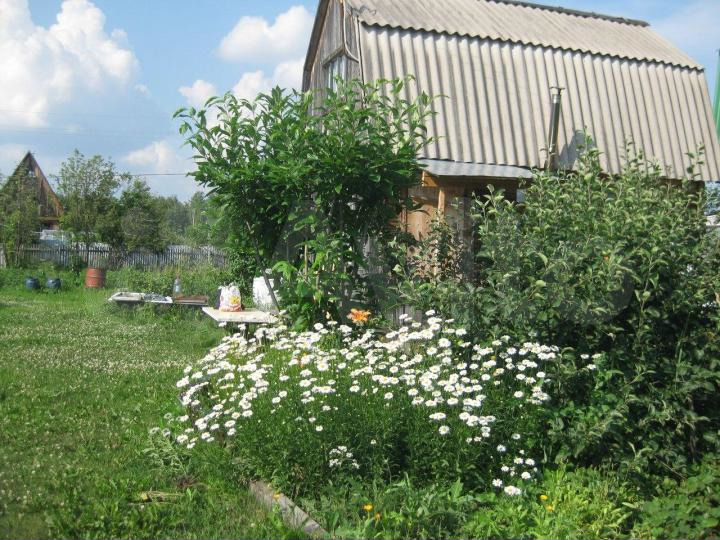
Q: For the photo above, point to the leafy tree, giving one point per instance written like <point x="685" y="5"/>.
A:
<point x="306" y="180"/>
<point x="19" y="212"/>
<point x="176" y="218"/>
<point x="87" y="188"/>
<point x="207" y="226"/>
<point x="142" y="218"/>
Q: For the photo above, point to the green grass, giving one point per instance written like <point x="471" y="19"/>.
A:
<point x="82" y="384"/>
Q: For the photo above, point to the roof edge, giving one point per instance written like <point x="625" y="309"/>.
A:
<point x="575" y="12"/>
<point x="30" y="161"/>
<point x="318" y="26"/>
<point x="693" y="66"/>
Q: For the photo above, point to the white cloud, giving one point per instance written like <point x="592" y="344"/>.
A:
<point x="197" y="94"/>
<point x="144" y="90"/>
<point x="251" y="84"/>
<point x="162" y="158"/>
<point x="286" y="75"/>
<point x="254" y="39"/>
<point x="289" y="74"/>
<point x="10" y="156"/>
<point x="41" y="68"/>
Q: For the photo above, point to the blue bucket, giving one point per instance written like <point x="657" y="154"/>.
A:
<point x="32" y="284"/>
<point x="53" y="284"/>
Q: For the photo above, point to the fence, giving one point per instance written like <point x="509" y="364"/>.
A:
<point x="172" y="256"/>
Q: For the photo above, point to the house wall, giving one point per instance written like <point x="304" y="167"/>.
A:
<point x="453" y="196"/>
<point x="330" y="44"/>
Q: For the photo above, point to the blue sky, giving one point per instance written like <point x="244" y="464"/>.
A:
<point x="105" y="76"/>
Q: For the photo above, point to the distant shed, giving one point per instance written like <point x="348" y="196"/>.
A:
<point x="496" y="61"/>
<point x="51" y="209"/>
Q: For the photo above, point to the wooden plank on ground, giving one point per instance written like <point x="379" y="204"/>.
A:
<point x="292" y="514"/>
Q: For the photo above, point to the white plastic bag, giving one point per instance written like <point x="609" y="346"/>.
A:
<point x="261" y="294"/>
<point x="230" y="298"/>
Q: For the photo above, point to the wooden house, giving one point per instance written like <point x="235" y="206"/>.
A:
<point x="500" y="64"/>
<point x="50" y="207"/>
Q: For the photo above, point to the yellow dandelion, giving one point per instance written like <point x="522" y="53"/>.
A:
<point x="550" y="508"/>
<point x="378" y="517"/>
<point x="368" y="508"/>
<point x="543" y="498"/>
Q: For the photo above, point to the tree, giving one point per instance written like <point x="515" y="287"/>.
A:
<point x="207" y="226"/>
<point x="311" y="189"/>
<point x="142" y="218"/>
<point x="87" y="188"/>
<point x="176" y="218"/>
<point x="20" y="215"/>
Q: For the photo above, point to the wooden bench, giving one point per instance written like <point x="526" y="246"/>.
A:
<point x="246" y="317"/>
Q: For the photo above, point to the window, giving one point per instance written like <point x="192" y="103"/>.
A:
<point x="337" y="67"/>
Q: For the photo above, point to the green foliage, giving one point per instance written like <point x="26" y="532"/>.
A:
<point x="405" y="511"/>
<point x="14" y="278"/>
<point x="308" y="190"/>
<point x="79" y="392"/>
<point x="201" y="280"/>
<point x="19" y="214"/>
<point x="397" y="510"/>
<point x="142" y="219"/>
<point x="585" y="503"/>
<point x="689" y="509"/>
<point x="302" y="409"/>
<point x="621" y="266"/>
<point x="440" y="256"/>
<point x="87" y="188"/>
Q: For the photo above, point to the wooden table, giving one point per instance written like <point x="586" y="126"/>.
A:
<point x="236" y="318"/>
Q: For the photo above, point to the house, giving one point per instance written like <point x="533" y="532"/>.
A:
<point x="501" y="65"/>
<point x="51" y="209"/>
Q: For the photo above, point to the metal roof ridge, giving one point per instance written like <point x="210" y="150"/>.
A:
<point x="694" y="65"/>
<point x="575" y="12"/>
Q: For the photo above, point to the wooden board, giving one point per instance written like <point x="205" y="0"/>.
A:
<point x="248" y="316"/>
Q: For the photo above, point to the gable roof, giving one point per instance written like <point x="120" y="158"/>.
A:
<point x="495" y="61"/>
<point x="527" y="24"/>
<point x="50" y="206"/>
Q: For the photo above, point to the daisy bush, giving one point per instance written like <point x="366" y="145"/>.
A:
<point x="342" y="404"/>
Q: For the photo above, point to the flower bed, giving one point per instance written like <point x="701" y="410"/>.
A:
<point x="337" y="404"/>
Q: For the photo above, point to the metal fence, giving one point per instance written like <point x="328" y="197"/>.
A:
<point x="104" y="257"/>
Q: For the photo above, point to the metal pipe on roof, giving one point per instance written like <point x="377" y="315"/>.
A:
<point x="556" y="110"/>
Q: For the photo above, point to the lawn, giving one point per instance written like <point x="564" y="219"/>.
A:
<point x="83" y="389"/>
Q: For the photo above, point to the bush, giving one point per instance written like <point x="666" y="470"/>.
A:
<point x="308" y="192"/>
<point x="400" y="510"/>
<point x="585" y="503"/>
<point x="303" y="409"/>
<point x="689" y="509"/>
<point x="622" y="266"/>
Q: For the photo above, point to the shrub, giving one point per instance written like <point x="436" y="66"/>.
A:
<point x="585" y="503"/>
<point x="622" y="266"/>
<point x="306" y="191"/>
<point x="689" y="509"/>
<point x="303" y="409"/>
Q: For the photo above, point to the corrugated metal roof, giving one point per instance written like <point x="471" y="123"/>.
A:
<point x="456" y="169"/>
<point x="498" y="98"/>
<point x="529" y="24"/>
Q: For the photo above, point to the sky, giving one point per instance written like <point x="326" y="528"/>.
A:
<point x="106" y="76"/>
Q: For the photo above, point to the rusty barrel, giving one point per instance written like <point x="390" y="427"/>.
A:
<point x="95" y="278"/>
